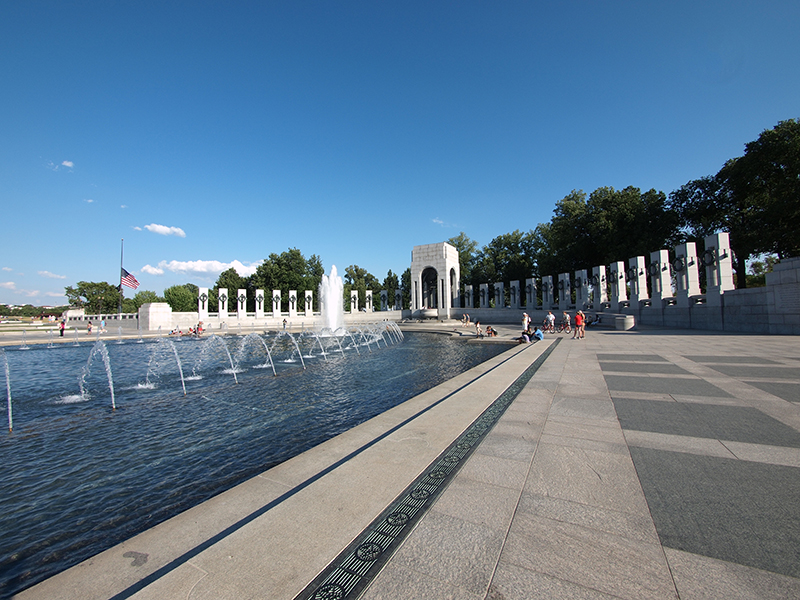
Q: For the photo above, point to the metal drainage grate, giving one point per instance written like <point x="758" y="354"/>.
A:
<point x="358" y="564"/>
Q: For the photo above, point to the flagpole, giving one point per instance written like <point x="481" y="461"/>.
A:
<point x="121" y="294"/>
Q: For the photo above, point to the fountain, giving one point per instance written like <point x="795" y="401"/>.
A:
<point x="331" y="300"/>
<point x="8" y="391"/>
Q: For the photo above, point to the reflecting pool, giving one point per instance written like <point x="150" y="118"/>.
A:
<point x="78" y="476"/>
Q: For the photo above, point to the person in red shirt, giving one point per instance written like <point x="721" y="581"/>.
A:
<point x="580" y="320"/>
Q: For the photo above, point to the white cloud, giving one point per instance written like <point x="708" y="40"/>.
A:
<point x="438" y="221"/>
<point x="7" y="269"/>
<point x="51" y="275"/>
<point x="164" y="230"/>
<point x="137" y="228"/>
<point x="8" y="285"/>
<point x="200" y="267"/>
<point x="152" y="270"/>
<point x="54" y="295"/>
<point x="68" y="163"/>
<point x="88" y="200"/>
<point x="123" y="206"/>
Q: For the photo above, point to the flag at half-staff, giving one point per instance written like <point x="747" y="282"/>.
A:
<point x="129" y="280"/>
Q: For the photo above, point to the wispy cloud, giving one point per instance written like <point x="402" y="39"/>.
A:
<point x="67" y="164"/>
<point x="7" y="269"/>
<point x="123" y="206"/>
<point x="51" y="275"/>
<point x="88" y="200"/>
<point x="438" y="221"/>
<point x="164" y="230"/>
<point x="8" y="285"/>
<point x="200" y="267"/>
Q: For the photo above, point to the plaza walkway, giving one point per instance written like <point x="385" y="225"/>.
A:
<point x="640" y="464"/>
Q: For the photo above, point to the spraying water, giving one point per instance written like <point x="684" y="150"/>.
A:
<point x="99" y="348"/>
<point x="331" y="300"/>
<point x="8" y="391"/>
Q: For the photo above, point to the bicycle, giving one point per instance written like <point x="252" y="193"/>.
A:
<point x="564" y="327"/>
<point x="548" y="326"/>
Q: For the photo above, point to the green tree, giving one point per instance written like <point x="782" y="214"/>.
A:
<point x="96" y="297"/>
<point x="287" y="271"/>
<point x="233" y="282"/>
<point x="182" y="298"/>
<point x="405" y="284"/>
<point x="360" y="280"/>
<point x="391" y="284"/>
<point x="753" y="197"/>
<point x="143" y="297"/>
<point x="467" y="255"/>
<point x="610" y="225"/>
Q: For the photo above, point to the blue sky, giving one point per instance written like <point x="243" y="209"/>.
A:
<point x="211" y="134"/>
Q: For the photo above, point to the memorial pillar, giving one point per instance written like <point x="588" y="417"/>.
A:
<point x="686" y="274"/>
<point x="530" y="294"/>
<point x="202" y="304"/>
<point x="499" y="295"/>
<point x="599" y="287"/>
<point x="564" y="292"/>
<point x="241" y="304"/>
<point x="292" y="304"/>
<point x="660" y="280"/>
<point x="719" y="267"/>
<point x="637" y="277"/>
<point x="222" y="296"/>
<point x="309" y="303"/>
<point x="617" y="291"/>
<point x="548" y="299"/>
<point x="581" y="289"/>
<point x="276" y="303"/>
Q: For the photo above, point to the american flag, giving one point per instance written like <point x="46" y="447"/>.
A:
<point x="129" y="280"/>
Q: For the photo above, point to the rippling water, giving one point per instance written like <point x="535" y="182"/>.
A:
<point x="78" y="478"/>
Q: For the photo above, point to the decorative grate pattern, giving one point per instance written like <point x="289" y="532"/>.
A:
<point x="350" y="572"/>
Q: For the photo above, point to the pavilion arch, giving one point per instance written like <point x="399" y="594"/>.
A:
<point x="435" y="280"/>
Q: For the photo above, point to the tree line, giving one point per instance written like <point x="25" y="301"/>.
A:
<point x="755" y="197"/>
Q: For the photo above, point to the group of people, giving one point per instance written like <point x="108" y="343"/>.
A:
<point x="192" y="330"/>
<point x="530" y="334"/>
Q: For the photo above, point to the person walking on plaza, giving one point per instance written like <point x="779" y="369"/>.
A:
<point x="62" y="326"/>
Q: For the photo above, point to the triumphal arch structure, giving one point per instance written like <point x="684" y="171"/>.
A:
<point x="435" y="280"/>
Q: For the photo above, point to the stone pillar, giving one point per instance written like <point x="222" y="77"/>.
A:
<point x="637" y="277"/>
<point x="398" y="300"/>
<point x="469" y="302"/>
<point x="719" y="267"/>
<point x="484" y="299"/>
<point x="548" y="299"/>
<point x="516" y="299"/>
<point x="202" y="304"/>
<point x="564" y="292"/>
<point x="599" y="287"/>
<point x="241" y="304"/>
<point x="292" y="304"/>
<point x="581" y="289"/>
<point x="260" y="303"/>
<point x="309" y="303"/>
<point x="499" y="295"/>
<point x="530" y="294"/>
<point x="276" y="303"/>
<point x="353" y="301"/>
<point x="660" y="279"/>
<point x="617" y="291"/>
<point x="368" y="301"/>
<point x="384" y="300"/>
<point x="222" y="295"/>
<point x="686" y="274"/>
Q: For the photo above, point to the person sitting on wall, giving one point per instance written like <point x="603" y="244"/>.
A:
<point x="491" y="332"/>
